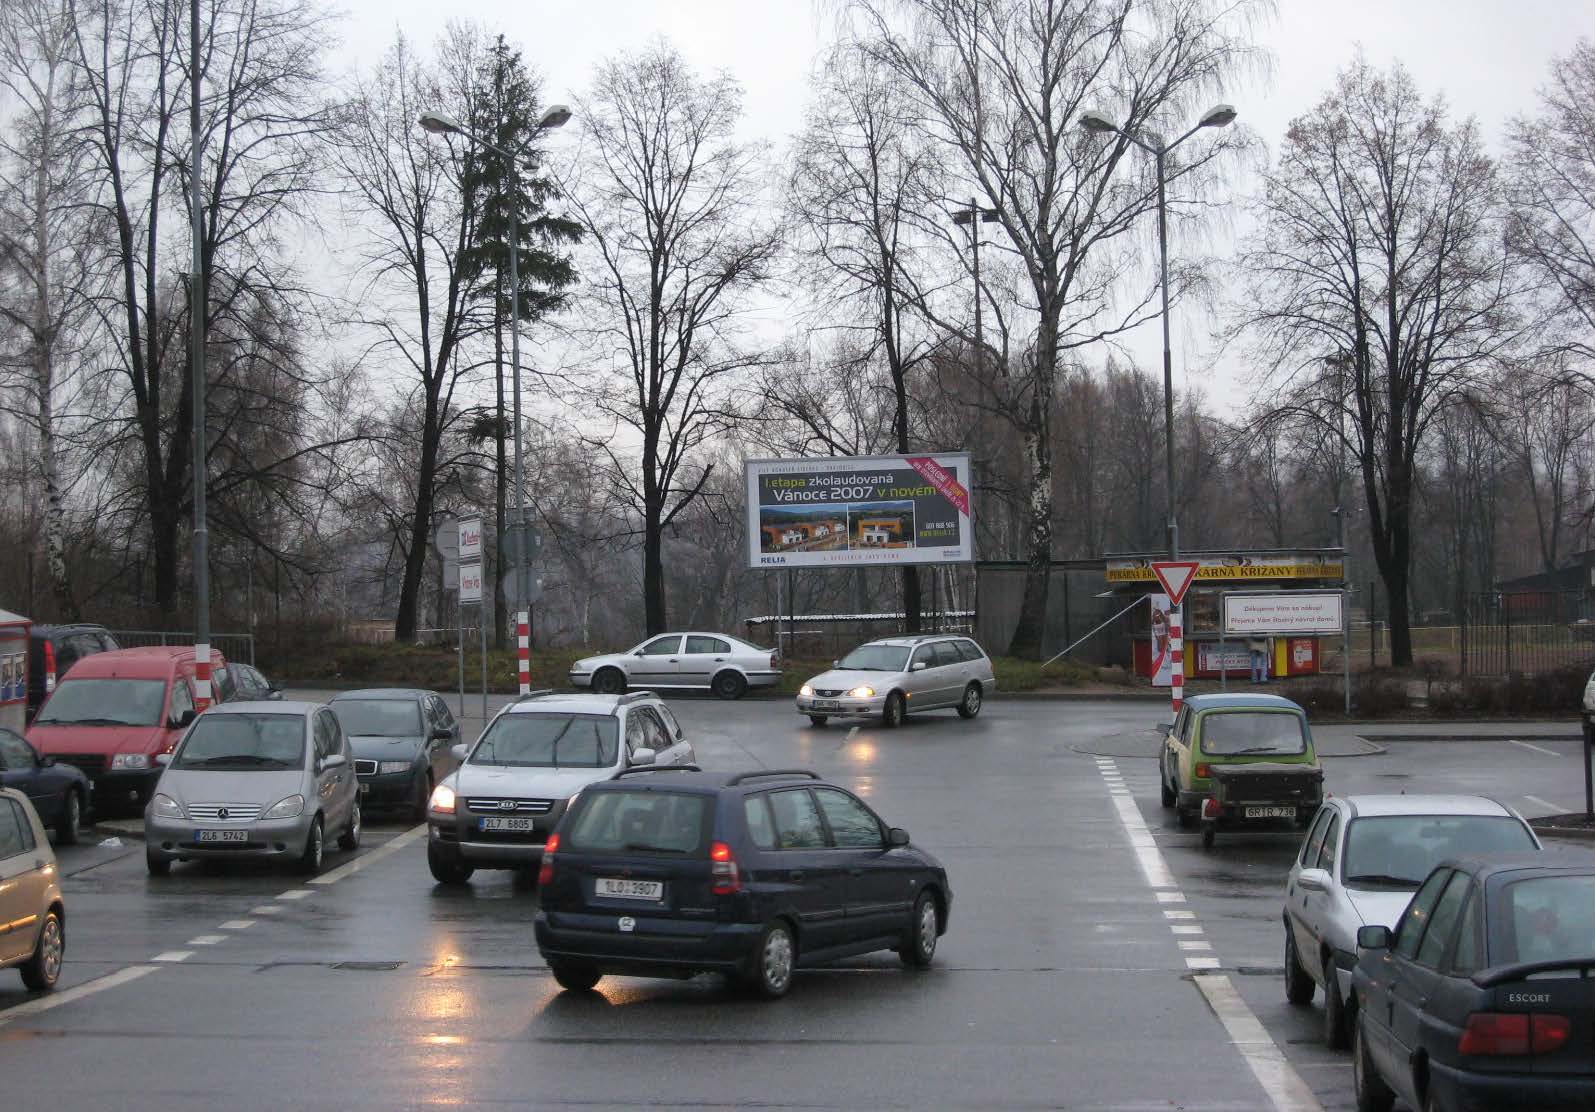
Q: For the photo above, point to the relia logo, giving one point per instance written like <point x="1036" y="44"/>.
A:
<point x="772" y="559"/>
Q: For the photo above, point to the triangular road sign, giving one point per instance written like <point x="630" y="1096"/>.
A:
<point x="1176" y="577"/>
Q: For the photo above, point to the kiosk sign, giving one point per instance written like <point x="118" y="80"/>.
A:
<point x="1293" y="613"/>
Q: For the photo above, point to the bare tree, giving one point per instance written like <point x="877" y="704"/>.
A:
<point x="670" y="206"/>
<point x="1381" y="240"/>
<point x="1543" y="419"/>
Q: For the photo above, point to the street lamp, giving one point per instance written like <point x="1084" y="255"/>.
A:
<point x="1221" y="115"/>
<point x="440" y="123"/>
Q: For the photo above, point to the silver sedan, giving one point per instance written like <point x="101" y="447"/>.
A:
<point x="726" y="665"/>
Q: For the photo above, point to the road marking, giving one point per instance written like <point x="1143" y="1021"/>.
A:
<point x="296" y="894"/>
<point x="1547" y="804"/>
<point x="853" y="733"/>
<point x="173" y="955"/>
<point x="206" y="940"/>
<point x="1179" y="928"/>
<point x="77" y="992"/>
<point x="1146" y="851"/>
<point x="265" y="909"/>
<point x="1171" y="898"/>
<point x="236" y="925"/>
<point x="1536" y="748"/>
<point x="1279" y="1080"/>
<point x="1178" y="913"/>
<point x="393" y="845"/>
<point x="1201" y="963"/>
<point x="1185" y="944"/>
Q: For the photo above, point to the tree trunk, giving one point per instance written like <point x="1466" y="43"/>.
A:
<point x="163" y="546"/>
<point x="653" y="571"/>
<point x="1027" y="635"/>
<point x="420" y="528"/>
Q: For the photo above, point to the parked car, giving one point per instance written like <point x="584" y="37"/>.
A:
<point x="753" y="874"/>
<point x="255" y="780"/>
<point x="115" y="713"/>
<point x="497" y="810"/>
<point x="59" y="793"/>
<point x="54" y="649"/>
<point x="403" y="741"/>
<point x="1361" y="861"/>
<point x="894" y="676"/>
<point x="246" y="684"/>
<point x="726" y="665"/>
<point x="32" y="909"/>
<point x="1240" y="760"/>
<point x="1480" y="997"/>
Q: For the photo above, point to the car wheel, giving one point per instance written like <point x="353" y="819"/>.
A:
<point x="1372" y="1094"/>
<point x="349" y="840"/>
<point x="310" y="859"/>
<point x="1298" y="982"/>
<point x="729" y="685"/>
<point x="1336" y="1036"/>
<point x="773" y="961"/>
<point x="66" y="832"/>
<point x="420" y="796"/>
<point x="817" y="719"/>
<point x="892" y="713"/>
<point x="969" y="705"/>
<point x="157" y="864"/>
<point x="43" y="969"/>
<point x="609" y="681"/>
<point x="919" y="947"/>
<point x="1209" y="834"/>
<point x="574" y="976"/>
<point x="446" y="871"/>
<point x="1166" y="795"/>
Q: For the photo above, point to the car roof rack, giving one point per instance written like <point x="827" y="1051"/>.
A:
<point x="742" y="777"/>
<point x="656" y="768"/>
<point x="635" y="696"/>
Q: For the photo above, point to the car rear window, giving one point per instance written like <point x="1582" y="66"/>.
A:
<point x="1548" y="918"/>
<point x="641" y="821"/>
<point x="92" y="702"/>
<point x="1229" y="733"/>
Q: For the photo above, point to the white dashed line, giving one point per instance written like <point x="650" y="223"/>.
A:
<point x="236" y="925"/>
<point x="265" y="909"/>
<point x="1194" y="946"/>
<point x="1201" y="963"/>
<point x="1536" y="748"/>
<point x="77" y="992"/>
<point x="173" y="956"/>
<point x="1185" y="929"/>
<point x="206" y="940"/>
<point x="1170" y="898"/>
<point x="296" y="894"/>
<point x="853" y="733"/>
<point x="393" y="845"/>
<point x="1178" y="913"/>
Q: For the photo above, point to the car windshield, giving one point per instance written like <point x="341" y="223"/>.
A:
<point x="378" y="717"/>
<point x="1400" y="850"/>
<point x="1549" y="918"/>
<point x="549" y="741"/>
<point x="240" y="742"/>
<point x="90" y="702"/>
<point x="641" y="822"/>
<point x="1230" y="733"/>
<point x="876" y="658"/>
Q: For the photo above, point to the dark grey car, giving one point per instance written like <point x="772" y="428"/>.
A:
<point x="402" y="740"/>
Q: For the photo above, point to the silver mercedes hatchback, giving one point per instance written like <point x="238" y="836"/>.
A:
<point x="262" y="779"/>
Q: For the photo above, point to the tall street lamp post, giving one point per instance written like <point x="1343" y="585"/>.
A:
<point x="1219" y="116"/>
<point x="196" y="342"/>
<point x="439" y="123"/>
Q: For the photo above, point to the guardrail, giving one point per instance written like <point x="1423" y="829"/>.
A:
<point x="232" y="646"/>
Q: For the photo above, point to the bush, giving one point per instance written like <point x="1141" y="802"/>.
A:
<point x="1558" y="692"/>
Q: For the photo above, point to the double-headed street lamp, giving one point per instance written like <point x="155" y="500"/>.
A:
<point x="439" y="123"/>
<point x="1219" y="116"/>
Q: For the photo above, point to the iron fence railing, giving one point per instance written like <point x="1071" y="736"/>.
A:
<point x="232" y="646"/>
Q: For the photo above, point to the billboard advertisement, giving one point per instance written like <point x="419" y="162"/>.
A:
<point x="1282" y="613"/>
<point x="843" y="511"/>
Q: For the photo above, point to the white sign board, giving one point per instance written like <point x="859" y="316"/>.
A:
<point x="470" y="538"/>
<point x="471" y="581"/>
<point x="844" y="511"/>
<point x="1282" y="614"/>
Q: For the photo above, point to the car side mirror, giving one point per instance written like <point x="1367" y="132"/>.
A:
<point x="46" y="761"/>
<point x="163" y="759"/>
<point x="918" y="666"/>
<point x="182" y="720"/>
<point x="643" y="756"/>
<point x="1314" y="880"/>
<point x="897" y="836"/>
<point x="836" y="664"/>
<point x="441" y="733"/>
<point x="1373" y="938"/>
<point x="274" y="692"/>
<point x="333" y="760"/>
<point x="459" y="751"/>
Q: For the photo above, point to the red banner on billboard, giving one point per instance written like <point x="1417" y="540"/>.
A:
<point x="945" y="482"/>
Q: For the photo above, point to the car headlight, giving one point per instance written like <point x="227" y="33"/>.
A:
<point x="442" y="799"/>
<point x="862" y="692"/>
<point x="165" y="807"/>
<point x="805" y="690"/>
<point x="130" y="760"/>
<point x="288" y="808"/>
<point x="386" y="768"/>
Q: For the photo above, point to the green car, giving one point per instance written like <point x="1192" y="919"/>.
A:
<point x="1234" y="761"/>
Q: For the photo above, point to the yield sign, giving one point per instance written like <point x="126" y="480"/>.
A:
<point x="1176" y="577"/>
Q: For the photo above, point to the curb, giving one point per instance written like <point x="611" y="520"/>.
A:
<point x="122" y="828"/>
<point x="1546" y="826"/>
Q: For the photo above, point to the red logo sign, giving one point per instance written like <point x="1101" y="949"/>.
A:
<point x="943" y="480"/>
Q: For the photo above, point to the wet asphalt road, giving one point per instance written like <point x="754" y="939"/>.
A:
<point x="1065" y="980"/>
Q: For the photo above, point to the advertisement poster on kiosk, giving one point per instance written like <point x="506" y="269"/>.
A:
<point x="1162" y="661"/>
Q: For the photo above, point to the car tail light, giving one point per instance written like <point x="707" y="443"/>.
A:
<point x="1212" y="808"/>
<point x="545" y="871"/>
<point x="49" y="667"/>
<point x="1203" y="771"/>
<point x="723" y="868"/>
<point x="1514" y="1034"/>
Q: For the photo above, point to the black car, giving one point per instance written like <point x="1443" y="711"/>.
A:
<point x="55" y="648"/>
<point x="671" y="872"/>
<point x="402" y="740"/>
<point x="243" y="683"/>
<point x="1483" y="997"/>
<point x="59" y="792"/>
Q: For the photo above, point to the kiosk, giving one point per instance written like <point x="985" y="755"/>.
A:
<point x="14" y="670"/>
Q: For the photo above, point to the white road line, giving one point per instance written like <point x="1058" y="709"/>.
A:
<point x="1278" y="1078"/>
<point x="1547" y="804"/>
<point x="1178" y="913"/>
<point x="1536" y="748"/>
<point x="1185" y="928"/>
<point x="1201" y="963"/>
<point x="236" y="925"/>
<point x="853" y="733"/>
<point x="1170" y="898"/>
<point x="206" y="940"/>
<point x="173" y="955"/>
<point x="296" y="894"/>
<point x="77" y="992"/>
<point x="393" y="845"/>
<point x="265" y="909"/>
<point x="1194" y="946"/>
<point x="1146" y="851"/>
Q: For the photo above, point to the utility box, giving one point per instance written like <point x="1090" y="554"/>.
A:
<point x="14" y="670"/>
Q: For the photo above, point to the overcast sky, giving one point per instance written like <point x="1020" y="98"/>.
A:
<point x="1486" y="56"/>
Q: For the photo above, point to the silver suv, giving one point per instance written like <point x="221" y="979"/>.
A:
<point x="498" y="808"/>
<point x="896" y="675"/>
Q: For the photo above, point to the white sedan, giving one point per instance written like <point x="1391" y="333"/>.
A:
<point x="1363" y="858"/>
<point x="726" y="665"/>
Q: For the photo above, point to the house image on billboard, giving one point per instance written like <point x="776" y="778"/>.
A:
<point x="880" y="530"/>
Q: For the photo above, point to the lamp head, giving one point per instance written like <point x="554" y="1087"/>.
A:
<point x="1220" y="115"/>
<point x="1098" y="122"/>
<point x="557" y="115"/>
<point x="440" y="123"/>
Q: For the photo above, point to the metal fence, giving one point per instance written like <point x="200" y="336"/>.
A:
<point x="828" y="636"/>
<point x="1498" y="633"/>
<point x="232" y="646"/>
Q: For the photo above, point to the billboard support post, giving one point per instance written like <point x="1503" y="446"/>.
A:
<point x="791" y="611"/>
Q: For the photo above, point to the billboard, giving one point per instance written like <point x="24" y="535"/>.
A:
<point x="843" y="511"/>
<point x="1283" y="613"/>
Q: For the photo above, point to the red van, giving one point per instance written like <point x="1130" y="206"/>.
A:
<point x="115" y="711"/>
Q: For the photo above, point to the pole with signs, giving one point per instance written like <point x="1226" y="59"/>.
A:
<point x="470" y="557"/>
<point x="1176" y="576"/>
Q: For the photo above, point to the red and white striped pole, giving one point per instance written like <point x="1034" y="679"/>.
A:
<point x="523" y="634"/>
<point x="201" y="676"/>
<point x="1177" y="657"/>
